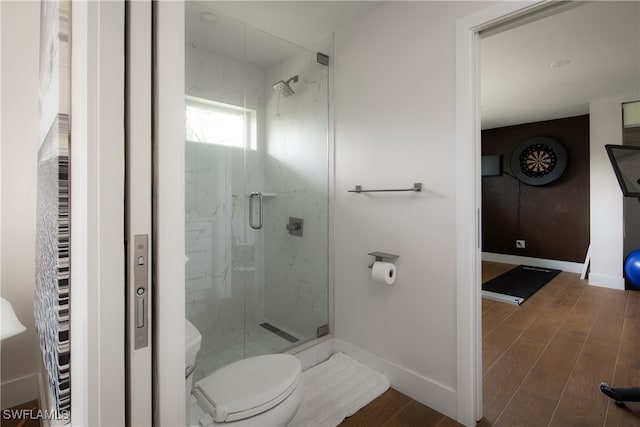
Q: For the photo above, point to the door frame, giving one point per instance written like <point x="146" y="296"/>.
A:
<point x="469" y="200"/>
<point x="169" y="215"/>
<point x="97" y="219"/>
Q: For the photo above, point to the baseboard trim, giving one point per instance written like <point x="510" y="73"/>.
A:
<point x="571" y="267"/>
<point x="426" y="391"/>
<point x="605" y="281"/>
<point x="20" y="390"/>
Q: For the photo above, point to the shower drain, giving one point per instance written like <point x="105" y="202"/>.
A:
<point x="279" y="332"/>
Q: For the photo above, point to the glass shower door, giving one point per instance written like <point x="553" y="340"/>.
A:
<point x="215" y="187"/>
<point x="256" y="190"/>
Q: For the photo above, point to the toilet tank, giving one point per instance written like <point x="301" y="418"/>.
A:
<point x="193" y="340"/>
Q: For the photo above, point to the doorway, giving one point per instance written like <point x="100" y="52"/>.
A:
<point x="494" y="18"/>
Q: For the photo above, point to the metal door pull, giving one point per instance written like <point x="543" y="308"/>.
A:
<point x="260" y="216"/>
<point x="141" y="283"/>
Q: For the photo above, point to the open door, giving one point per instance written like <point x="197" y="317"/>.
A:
<point x="155" y="213"/>
<point x="138" y="216"/>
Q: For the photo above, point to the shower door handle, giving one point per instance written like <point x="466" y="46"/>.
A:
<point x="251" y="209"/>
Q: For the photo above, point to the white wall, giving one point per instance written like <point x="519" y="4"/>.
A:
<point x="605" y="195"/>
<point x="20" y="50"/>
<point x="395" y="125"/>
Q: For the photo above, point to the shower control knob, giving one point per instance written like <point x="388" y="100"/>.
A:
<point x="295" y="226"/>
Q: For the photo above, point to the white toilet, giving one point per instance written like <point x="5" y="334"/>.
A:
<point x="260" y="391"/>
<point x="193" y="340"/>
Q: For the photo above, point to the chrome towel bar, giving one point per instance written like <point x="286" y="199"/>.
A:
<point x="416" y="187"/>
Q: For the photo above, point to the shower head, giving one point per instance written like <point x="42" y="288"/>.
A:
<point x="284" y="88"/>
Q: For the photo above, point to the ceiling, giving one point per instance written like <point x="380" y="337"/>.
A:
<point x="276" y="29"/>
<point x="594" y="49"/>
<point x="553" y="67"/>
<point x="232" y="38"/>
<point x="303" y="23"/>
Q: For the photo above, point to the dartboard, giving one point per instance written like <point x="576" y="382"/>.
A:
<point x="538" y="161"/>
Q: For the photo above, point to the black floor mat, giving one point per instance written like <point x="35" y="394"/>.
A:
<point x="522" y="281"/>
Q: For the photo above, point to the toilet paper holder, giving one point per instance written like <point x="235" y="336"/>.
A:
<point x="382" y="256"/>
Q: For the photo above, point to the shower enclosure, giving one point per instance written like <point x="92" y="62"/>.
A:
<point x="256" y="189"/>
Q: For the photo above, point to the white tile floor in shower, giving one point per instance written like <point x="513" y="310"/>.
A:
<point x="221" y="347"/>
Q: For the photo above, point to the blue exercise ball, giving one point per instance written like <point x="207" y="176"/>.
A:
<point x="632" y="267"/>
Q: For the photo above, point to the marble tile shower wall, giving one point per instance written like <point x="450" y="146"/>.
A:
<point x="296" y="169"/>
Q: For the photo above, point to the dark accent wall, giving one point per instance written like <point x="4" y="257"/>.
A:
<point x="553" y="219"/>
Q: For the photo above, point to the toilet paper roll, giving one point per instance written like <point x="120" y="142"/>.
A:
<point x="384" y="272"/>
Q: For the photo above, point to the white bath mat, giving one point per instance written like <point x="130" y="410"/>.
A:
<point x="336" y="389"/>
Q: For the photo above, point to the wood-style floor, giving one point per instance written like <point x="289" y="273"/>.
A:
<point x="394" y="409"/>
<point x="9" y="419"/>
<point x="543" y="361"/>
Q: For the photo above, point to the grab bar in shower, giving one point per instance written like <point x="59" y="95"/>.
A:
<point x="251" y="209"/>
<point x="416" y="187"/>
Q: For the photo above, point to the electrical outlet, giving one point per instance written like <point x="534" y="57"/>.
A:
<point x="520" y="244"/>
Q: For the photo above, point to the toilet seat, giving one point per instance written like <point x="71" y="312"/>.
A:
<point x="248" y="387"/>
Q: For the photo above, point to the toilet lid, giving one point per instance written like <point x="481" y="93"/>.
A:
<point x="251" y="386"/>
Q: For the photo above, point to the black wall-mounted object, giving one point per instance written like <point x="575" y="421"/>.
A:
<point x="322" y="58"/>
<point x="625" y="160"/>
<point x="539" y="161"/>
<point x="491" y="165"/>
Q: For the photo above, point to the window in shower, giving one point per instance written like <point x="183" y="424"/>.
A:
<point x="221" y="124"/>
